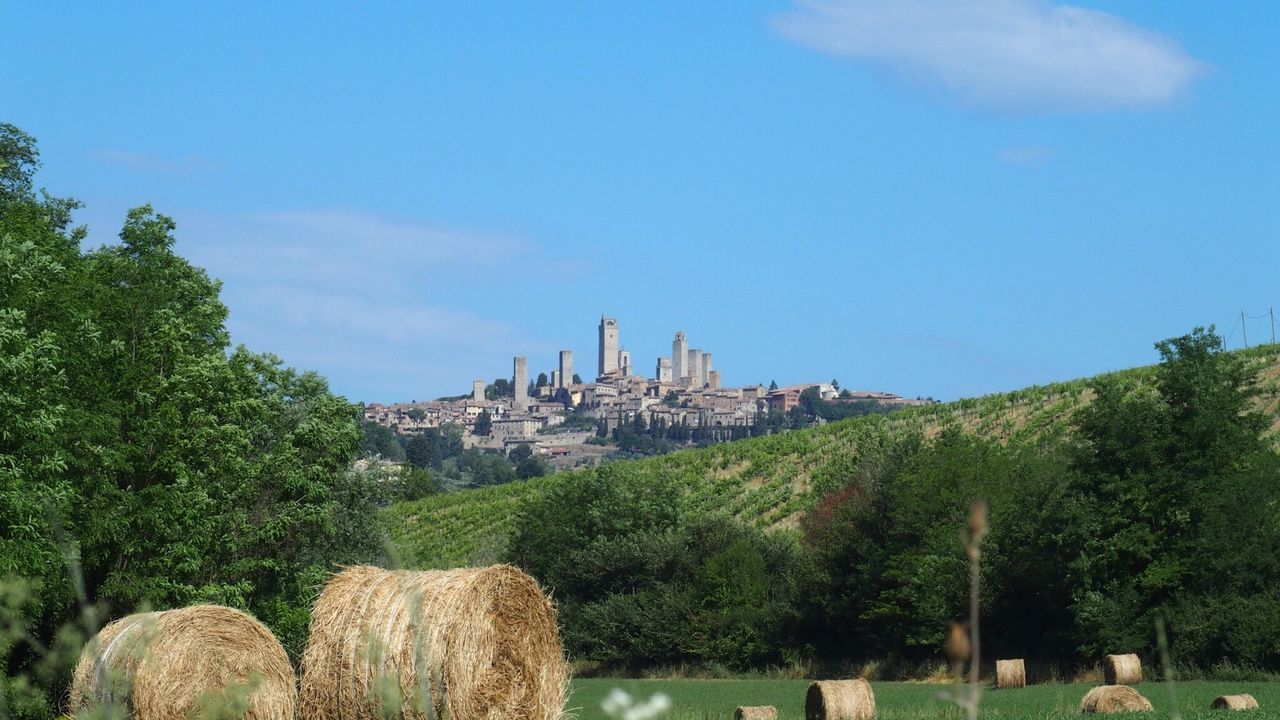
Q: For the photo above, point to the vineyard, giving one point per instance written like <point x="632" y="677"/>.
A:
<point x="769" y="481"/>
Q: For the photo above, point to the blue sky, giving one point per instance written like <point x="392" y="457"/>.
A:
<point x="939" y="198"/>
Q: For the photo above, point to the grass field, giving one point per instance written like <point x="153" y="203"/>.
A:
<point x="716" y="699"/>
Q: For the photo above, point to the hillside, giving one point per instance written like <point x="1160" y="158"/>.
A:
<point x="768" y="481"/>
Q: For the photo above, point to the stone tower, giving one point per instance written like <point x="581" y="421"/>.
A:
<point x="520" y="384"/>
<point x="477" y="390"/>
<point x="608" y="345"/>
<point x="693" y="368"/>
<point x="706" y="368"/>
<point x="566" y="368"/>
<point x="679" y="357"/>
<point x="624" y="361"/>
<point x="664" y="370"/>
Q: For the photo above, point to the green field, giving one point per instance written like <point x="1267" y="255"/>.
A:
<point x="716" y="699"/>
<point x="767" y="481"/>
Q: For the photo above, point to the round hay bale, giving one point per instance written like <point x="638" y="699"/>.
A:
<point x="759" y="712"/>
<point x="1114" y="699"/>
<point x="1122" y="670"/>
<point x="467" y="644"/>
<point x="185" y="663"/>
<point x="1234" y="702"/>
<point x="840" y="700"/>
<point x="1010" y="674"/>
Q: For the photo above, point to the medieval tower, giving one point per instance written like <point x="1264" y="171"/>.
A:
<point x="608" y="345"/>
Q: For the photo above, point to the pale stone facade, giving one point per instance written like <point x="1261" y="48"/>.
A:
<point x="608" y="345"/>
<point x="520" y="383"/>
<point x="566" y="368"/>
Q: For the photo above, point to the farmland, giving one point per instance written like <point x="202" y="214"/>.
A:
<point x="716" y="699"/>
<point x="769" y="481"/>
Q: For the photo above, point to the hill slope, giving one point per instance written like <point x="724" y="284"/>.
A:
<point x="770" y="480"/>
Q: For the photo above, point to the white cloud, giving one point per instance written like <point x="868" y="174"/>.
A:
<point x="152" y="163"/>
<point x="1025" y="155"/>
<point x="383" y="306"/>
<point x="1005" y="54"/>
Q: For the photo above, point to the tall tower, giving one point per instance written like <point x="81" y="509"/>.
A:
<point x="520" y="384"/>
<point x="679" y="357"/>
<point x="477" y="390"/>
<point x="693" y="368"/>
<point x="608" y="345"/>
<point x="624" y="361"/>
<point x="706" y="368"/>
<point x="566" y="368"/>
<point x="664" y="370"/>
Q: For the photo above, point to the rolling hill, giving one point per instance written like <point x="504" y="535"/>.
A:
<point x="771" y="480"/>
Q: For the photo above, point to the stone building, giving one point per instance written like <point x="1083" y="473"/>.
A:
<point x="520" y="384"/>
<point x="608" y="345"/>
<point x="566" y="368"/>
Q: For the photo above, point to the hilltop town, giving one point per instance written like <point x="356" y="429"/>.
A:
<point x="566" y="421"/>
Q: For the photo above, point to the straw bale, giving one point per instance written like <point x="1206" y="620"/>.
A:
<point x="759" y="712"/>
<point x="1010" y="674"/>
<point x="203" y="660"/>
<point x="1122" y="670"/>
<point x="1114" y="699"/>
<point x="1234" y="702"/>
<point x="840" y="700"/>
<point x="466" y="644"/>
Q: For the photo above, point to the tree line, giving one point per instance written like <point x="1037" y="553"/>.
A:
<point x="1159" y="501"/>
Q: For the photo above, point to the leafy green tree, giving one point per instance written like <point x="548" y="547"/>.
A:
<point x="577" y="379"/>
<point x="1174" y="481"/>
<point x="483" y="425"/>
<point x="520" y="453"/>
<point x="542" y="380"/>
<point x="532" y="467"/>
<point x="421" y="451"/>
<point x="381" y="441"/>
<point x="176" y="468"/>
<point x="773" y="385"/>
<point x="498" y="389"/>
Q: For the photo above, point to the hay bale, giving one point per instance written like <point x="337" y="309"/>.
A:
<point x="759" y="712"/>
<point x="840" y="700"/>
<point x="1114" y="699"/>
<point x="1234" y="702"/>
<point x="1122" y="670"/>
<point x="1010" y="674"/>
<point x="465" y="644"/>
<point x="184" y="663"/>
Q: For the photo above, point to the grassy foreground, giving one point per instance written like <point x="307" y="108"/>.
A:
<point x="716" y="699"/>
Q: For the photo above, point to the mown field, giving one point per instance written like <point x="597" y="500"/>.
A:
<point x="716" y="699"/>
<point x="766" y="481"/>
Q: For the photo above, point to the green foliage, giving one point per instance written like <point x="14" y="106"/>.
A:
<point x="639" y="583"/>
<point x="133" y="439"/>
<point x="381" y="442"/>
<point x="484" y="424"/>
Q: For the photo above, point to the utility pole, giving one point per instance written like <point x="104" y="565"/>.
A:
<point x="1244" y="329"/>
<point x="1272" y="311"/>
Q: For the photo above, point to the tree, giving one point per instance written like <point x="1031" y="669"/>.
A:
<point x="835" y="384"/>
<point x="483" y="425"/>
<point x="1172" y="482"/>
<point x="773" y="385"/>
<point x="577" y="379"/>
<point x="499" y="388"/>
<point x="520" y="453"/>
<point x="541" y="381"/>
<point x="532" y="467"/>
<point x="421" y="451"/>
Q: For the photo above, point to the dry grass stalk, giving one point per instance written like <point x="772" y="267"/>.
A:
<point x="759" y="712"/>
<point x="199" y="661"/>
<point x="466" y="644"/>
<point x="1122" y="670"/>
<point x="1114" y="699"/>
<point x="840" y="700"/>
<point x="1234" y="702"/>
<point x="1010" y="674"/>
